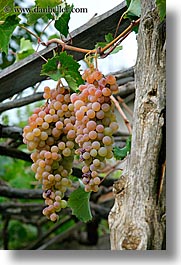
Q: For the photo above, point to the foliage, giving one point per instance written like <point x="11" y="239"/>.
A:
<point x="17" y="173"/>
<point x="46" y="3"/>
<point x="19" y="230"/>
<point x="3" y="8"/>
<point x="79" y="203"/>
<point x="26" y="49"/>
<point x="161" y="5"/>
<point x="133" y="11"/>
<point x="6" y="30"/>
<point x="108" y="38"/>
<point x="121" y="153"/>
<point x="134" y="8"/>
<point x="61" y="24"/>
<point x="63" y="66"/>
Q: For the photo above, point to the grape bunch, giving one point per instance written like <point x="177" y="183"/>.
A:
<point x="80" y="123"/>
<point x="95" y="124"/>
<point x="51" y="132"/>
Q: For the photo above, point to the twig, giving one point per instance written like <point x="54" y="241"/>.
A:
<point x="125" y="105"/>
<point x="101" y="50"/>
<point x="129" y="28"/>
<point x="12" y="132"/>
<point x="35" y="244"/>
<point x="15" y="153"/>
<point x="42" y="33"/>
<point x="68" y="47"/>
<point x="21" y="102"/>
<point x="29" y="31"/>
<point x="61" y="237"/>
<point x="16" y="208"/>
<point x="119" y="23"/>
<point x="41" y="56"/>
<point x="104" y="55"/>
<point x="126" y="121"/>
<point x="8" y="192"/>
<point x="161" y="180"/>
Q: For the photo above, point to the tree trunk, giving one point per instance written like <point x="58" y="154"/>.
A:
<point x="137" y="219"/>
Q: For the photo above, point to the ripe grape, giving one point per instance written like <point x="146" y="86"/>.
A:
<point x="51" y="133"/>
<point x="67" y="125"/>
<point x="95" y="124"/>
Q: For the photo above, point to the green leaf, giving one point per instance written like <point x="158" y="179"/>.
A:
<point x="33" y="17"/>
<point x="54" y="36"/>
<point x="109" y="37"/>
<point x="100" y="44"/>
<point x="63" y="66"/>
<point x="26" y="49"/>
<point x="134" y="9"/>
<point x="117" y="49"/>
<point x="121" y="153"/>
<point x="6" y="9"/>
<point x="79" y="203"/>
<point x="161" y="5"/>
<point x="48" y="3"/>
<point x="38" y="12"/>
<point x="6" y="30"/>
<point x="128" y="2"/>
<point x="62" y="23"/>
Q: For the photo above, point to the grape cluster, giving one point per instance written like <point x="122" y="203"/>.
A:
<point x="95" y="124"/>
<point x="51" y="131"/>
<point x="81" y="123"/>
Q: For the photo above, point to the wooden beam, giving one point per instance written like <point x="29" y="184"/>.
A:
<point x="26" y="72"/>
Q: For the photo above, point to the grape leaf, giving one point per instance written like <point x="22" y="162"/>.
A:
<point x="63" y="66"/>
<point x="38" y="12"/>
<point x="6" y="9"/>
<point x="54" y="36"/>
<point x="6" y="30"/>
<point x="48" y="3"/>
<point x="79" y="203"/>
<point x="134" y="9"/>
<point x="161" y="5"/>
<point x="33" y="17"/>
<point x="128" y="2"/>
<point x="26" y="49"/>
<point x="61" y="24"/>
<point x="120" y="153"/>
<point x="109" y="37"/>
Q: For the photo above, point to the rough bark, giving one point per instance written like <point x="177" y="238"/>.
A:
<point x="137" y="219"/>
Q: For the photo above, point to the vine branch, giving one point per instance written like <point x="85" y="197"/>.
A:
<point x="21" y="102"/>
<point x="30" y="32"/>
<point x="100" y="50"/>
<point x="126" y="121"/>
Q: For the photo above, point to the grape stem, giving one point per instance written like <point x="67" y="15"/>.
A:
<point x="99" y="51"/>
<point x="30" y="32"/>
<point x="126" y="121"/>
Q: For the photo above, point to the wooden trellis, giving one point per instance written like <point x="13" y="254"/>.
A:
<point x="26" y="72"/>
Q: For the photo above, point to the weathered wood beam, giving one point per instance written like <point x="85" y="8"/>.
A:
<point x="26" y="72"/>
